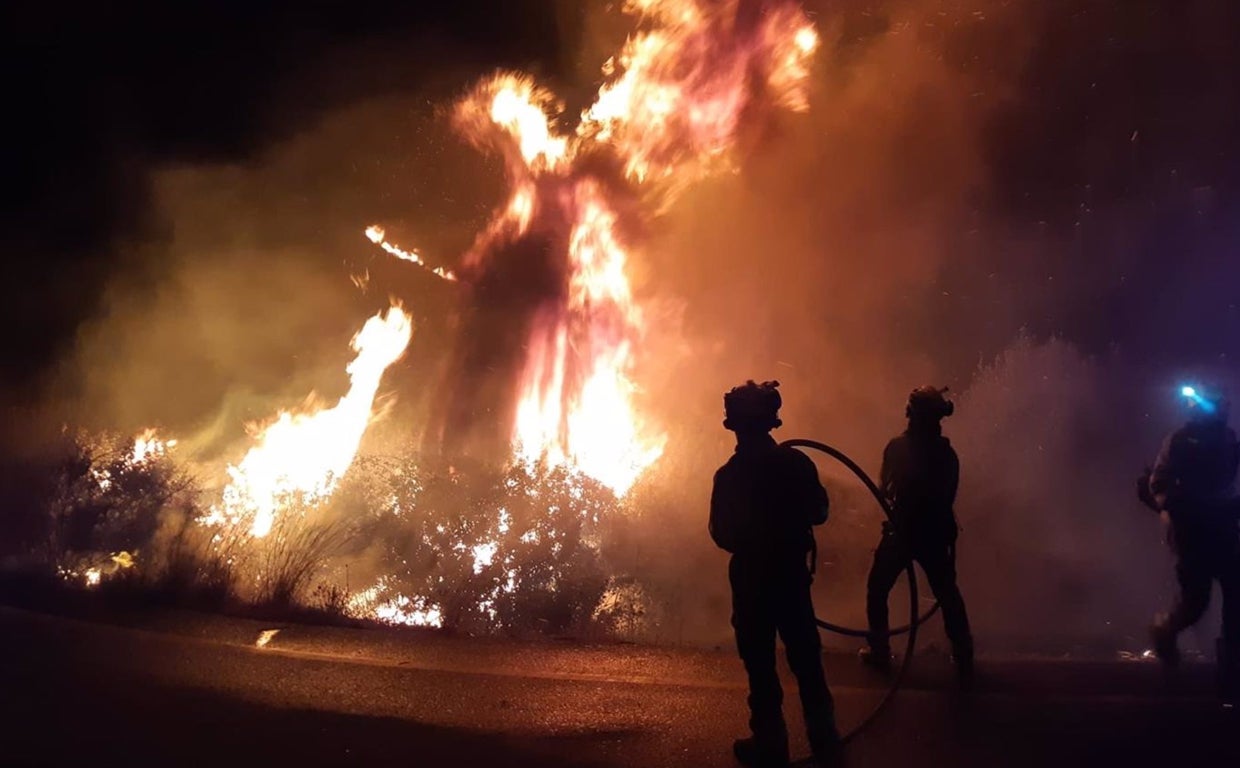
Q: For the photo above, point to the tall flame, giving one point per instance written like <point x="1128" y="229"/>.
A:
<point x="576" y="401"/>
<point x="306" y="453"/>
<point x="670" y="110"/>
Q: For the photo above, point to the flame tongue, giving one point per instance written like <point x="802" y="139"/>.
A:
<point x="377" y="235"/>
<point x="307" y="453"/>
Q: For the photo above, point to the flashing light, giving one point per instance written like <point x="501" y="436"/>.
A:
<point x="1196" y="399"/>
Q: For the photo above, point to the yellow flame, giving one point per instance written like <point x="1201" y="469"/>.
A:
<point x="685" y="81"/>
<point x="409" y="612"/>
<point x="149" y="445"/>
<point x="377" y="235"/>
<point x="600" y="433"/>
<point x="398" y="610"/>
<point x="670" y="110"/>
<point x="522" y="111"/>
<point x="307" y="453"/>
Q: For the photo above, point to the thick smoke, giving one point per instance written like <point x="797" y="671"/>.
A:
<point x="861" y="250"/>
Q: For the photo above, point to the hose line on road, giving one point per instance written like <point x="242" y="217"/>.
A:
<point x="914" y="620"/>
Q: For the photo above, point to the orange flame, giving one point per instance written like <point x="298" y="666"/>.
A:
<point x="307" y="453"/>
<point x="377" y="235"/>
<point x="686" y="81"/>
<point x="593" y="426"/>
<point x="148" y="445"/>
<point x="670" y="111"/>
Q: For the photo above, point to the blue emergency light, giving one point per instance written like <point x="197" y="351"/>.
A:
<point x="1196" y="399"/>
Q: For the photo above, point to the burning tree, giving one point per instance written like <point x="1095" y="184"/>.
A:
<point x="670" y="111"/>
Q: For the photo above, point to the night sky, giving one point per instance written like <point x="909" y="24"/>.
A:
<point x="1118" y="143"/>
<point x="99" y="95"/>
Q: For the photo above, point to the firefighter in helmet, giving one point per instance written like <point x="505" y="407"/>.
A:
<point x="765" y="502"/>
<point x="1192" y="487"/>
<point x="920" y="475"/>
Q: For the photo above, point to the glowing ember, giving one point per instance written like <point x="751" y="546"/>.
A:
<point x="305" y="454"/>
<point x="406" y="612"/>
<point x="398" y="610"/>
<point x="92" y="577"/>
<point x="484" y="555"/>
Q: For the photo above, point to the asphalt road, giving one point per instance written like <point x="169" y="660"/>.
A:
<point x="188" y="691"/>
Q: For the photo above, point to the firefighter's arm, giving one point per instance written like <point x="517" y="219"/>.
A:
<point x="1162" y="476"/>
<point x="1234" y="456"/>
<point x="886" y="474"/>
<point x="1143" y="490"/>
<point x="723" y="522"/>
<point x="814" y="496"/>
<point x="952" y="481"/>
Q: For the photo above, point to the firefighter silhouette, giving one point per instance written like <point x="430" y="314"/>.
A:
<point x="1192" y="486"/>
<point x="765" y="502"/>
<point x="920" y="475"/>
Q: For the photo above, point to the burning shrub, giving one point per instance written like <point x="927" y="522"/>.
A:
<point x="515" y="551"/>
<point x="626" y="609"/>
<point x="108" y="499"/>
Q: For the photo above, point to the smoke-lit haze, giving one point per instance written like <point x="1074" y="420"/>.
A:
<point x="1006" y="198"/>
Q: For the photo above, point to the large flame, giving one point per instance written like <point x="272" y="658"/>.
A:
<point x="306" y="453"/>
<point x="576" y="403"/>
<point x="670" y="110"/>
<point x="685" y="82"/>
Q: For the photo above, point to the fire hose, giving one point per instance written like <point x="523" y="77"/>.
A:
<point x="914" y="620"/>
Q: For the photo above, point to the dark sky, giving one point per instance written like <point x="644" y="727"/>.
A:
<point x="98" y="95"/>
<point x="1119" y="142"/>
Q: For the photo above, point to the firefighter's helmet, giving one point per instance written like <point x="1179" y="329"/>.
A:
<point x="752" y="406"/>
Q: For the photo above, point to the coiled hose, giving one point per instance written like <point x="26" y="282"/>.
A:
<point x="914" y="620"/>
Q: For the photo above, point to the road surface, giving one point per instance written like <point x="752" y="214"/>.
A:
<point x="187" y="691"/>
